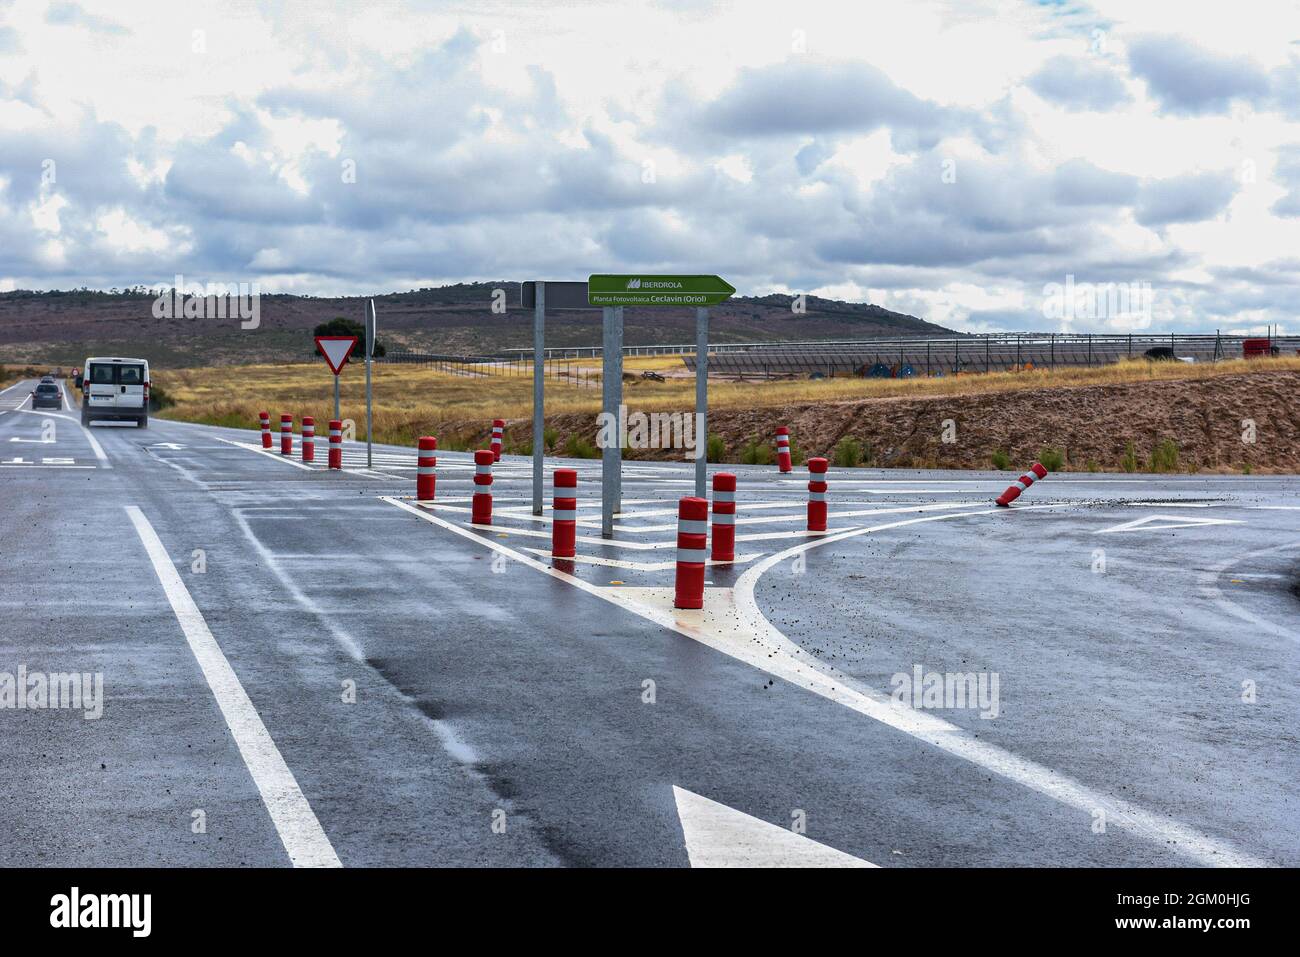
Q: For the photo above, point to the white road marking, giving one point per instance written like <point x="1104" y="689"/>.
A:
<point x="781" y="657"/>
<point x="268" y="453"/>
<point x="94" y="442"/>
<point x="720" y="836"/>
<point x="1169" y="521"/>
<point x="295" y="822"/>
<point x="1210" y="589"/>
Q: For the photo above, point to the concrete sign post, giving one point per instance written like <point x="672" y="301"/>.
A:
<point x="535" y="295"/>
<point x="611" y="389"/>
<point x="539" y="393"/>
<point x="613" y="293"/>
<point x="371" y="324"/>
<point x="701" y="399"/>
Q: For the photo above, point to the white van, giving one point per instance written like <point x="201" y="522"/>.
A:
<point x="115" y="388"/>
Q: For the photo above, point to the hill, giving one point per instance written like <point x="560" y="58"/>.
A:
<point x="65" y="326"/>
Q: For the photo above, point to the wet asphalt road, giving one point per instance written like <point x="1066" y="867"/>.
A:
<point x="441" y="701"/>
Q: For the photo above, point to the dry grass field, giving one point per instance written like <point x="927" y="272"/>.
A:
<point x="410" y="402"/>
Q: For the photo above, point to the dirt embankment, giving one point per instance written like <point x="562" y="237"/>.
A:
<point x="1228" y="423"/>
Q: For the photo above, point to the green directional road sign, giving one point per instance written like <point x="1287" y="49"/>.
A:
<point x="644" y="290"/>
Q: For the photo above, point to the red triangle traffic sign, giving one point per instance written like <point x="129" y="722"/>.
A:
<point x="336" y="350"/>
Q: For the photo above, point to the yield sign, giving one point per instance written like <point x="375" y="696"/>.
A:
<point x="1154" y="523"/>
<point x="336" y="350"/>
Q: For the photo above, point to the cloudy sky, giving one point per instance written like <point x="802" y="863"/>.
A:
<point x="950" y="160"/>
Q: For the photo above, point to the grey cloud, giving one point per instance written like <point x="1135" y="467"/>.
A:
<point x="1079" y="84"/>
<point x="811" y="97"/>
<point x="1187" y="79"/>
<point x="1080" y="183"/>
<point x="1288" y="173"/>
<point x="1185" y="199"/>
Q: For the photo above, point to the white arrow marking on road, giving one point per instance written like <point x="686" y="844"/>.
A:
<point x="33" y="441"/>
<point x="1170" y="521"/>
<point x="166" y="445"/>
<point x="720" y="836"/>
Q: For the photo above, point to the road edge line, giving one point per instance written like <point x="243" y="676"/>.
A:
<point x="296" y="824"/>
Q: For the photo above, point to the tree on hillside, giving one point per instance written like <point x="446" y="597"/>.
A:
<point x="346" y="327"/>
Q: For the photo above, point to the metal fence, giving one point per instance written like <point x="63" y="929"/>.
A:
<point x="882" y="356"/>
<point x="966" y="354"/>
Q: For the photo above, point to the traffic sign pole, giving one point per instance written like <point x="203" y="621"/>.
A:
<point x="539" y="389"/>
<point x="701" y="399"/>
<point x="611" y="456"/>
<point x="336" y="396"/>
<point x="371" y="323"/>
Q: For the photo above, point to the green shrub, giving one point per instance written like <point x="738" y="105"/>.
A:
<point x="1164" y="457"/>
<point x="549" y="437"/>
<point x="577" y="447"/>
<point x="159" y="399"/>
<point x="1052" y="459"/>
<point x="1093" y="466"/>
<point x="796" y="455"/>
<point x="1129" y="461"/>
<point x="848" y="453"/>
<point x="1001" y="460"/>
<point x="715" y="450"/>
<point x="756" y="452"/>
<point x="1245" y="468"/>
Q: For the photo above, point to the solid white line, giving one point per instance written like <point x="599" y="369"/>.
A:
<point x="294" y="820"/>
<point x="948" y="737"/>
<point x="1210" y="589"/>
<point x="790" y="664"/>
<point x="273" y="455"/>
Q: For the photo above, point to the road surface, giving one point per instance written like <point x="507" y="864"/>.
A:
<point x="310" y="668"/>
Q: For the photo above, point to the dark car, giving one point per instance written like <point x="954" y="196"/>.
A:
<point x="47" y="396"/>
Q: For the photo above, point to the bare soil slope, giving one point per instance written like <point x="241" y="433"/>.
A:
<point x="1207" y="419"/>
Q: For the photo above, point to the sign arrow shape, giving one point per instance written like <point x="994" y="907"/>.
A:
<point x="720" y="836"/>
<point x="337" y="350"/>
<point x="1168" y="521"/>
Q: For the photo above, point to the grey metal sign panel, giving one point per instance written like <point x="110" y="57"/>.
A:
<point x="559" y="295"/>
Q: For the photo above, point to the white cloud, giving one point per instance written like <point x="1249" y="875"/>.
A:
<point x="787" y="147"/>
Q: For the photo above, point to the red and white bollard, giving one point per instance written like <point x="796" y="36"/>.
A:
<point x="1036" y="472"/>
<point x="308" y="439"/>
<point x="692" y="541"/>
<point x="265" y="418"/>
<point x="426" y="469"/>
<point x="336" y="444"/>
<point x="783" y="449"/>
<point x="286" y="434"/>
<point x="564" y="514"/>
<point x="480" y="512"/>
<point x="724" y="517"/>
<point x="817" y="494"/>
<point x="498" y="435"/>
